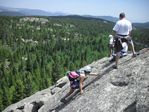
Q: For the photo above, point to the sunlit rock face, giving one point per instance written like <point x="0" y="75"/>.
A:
<point x="125" y="89"/>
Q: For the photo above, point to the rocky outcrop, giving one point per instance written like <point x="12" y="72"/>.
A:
<point x="125" y="89"/>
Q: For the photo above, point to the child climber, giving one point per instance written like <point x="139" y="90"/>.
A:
<point x="76" y="79"/>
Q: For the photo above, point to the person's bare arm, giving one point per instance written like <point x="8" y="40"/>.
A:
<point x="82" y="77"/>
<point x="93" y="74"/>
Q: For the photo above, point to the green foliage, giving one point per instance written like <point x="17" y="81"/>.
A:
<point x="19" y="90"/>
<point x="1" y="99"/>
<point x="35" y="52"/>
<point x="141" y="37"/>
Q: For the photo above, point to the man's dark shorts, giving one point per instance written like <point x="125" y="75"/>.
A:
<point x="119" y="41"/>
<point x="111" y="46"/>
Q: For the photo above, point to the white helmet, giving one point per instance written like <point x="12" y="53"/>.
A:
<point x="86" y="69"/>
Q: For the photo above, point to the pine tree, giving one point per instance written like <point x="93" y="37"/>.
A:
<point x="1" y="99"/>
<point x="19" y="90"/>
<point x="28" y="85"/>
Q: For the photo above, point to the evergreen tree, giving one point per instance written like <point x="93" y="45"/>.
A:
<point x="34" y="55"/>
<point x="19" y="90"/>
<point x="1" y="100"/>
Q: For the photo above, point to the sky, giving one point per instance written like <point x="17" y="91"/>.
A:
<point x="135" y="10"/>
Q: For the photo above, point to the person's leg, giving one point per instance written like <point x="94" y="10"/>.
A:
<point x="117" y="59"/>
<point x="132" y="48"/>
<point x="110" y="50"/>
<point x="68" y="94"/>
<point x="130" y="41"/>
<point x="118" y="48"/>
<point x="82" y="77"/>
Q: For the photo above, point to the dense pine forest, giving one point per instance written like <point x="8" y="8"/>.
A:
<point x="36" y="51"/>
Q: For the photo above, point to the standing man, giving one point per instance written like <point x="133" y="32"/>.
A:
<point x="122" y="31"/>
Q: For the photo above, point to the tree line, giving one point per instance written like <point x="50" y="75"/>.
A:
<point x="36" y="51"/>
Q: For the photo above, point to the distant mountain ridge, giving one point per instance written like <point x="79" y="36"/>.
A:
<point x="142" y="25"/>
<point x="108" y="18"/>
<point x="8" y="11"/>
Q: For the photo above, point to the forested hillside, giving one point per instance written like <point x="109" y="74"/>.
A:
<point x="141" y="37"/>
<point x="36" y="51"/>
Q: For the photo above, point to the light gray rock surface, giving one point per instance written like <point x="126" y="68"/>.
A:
<point x="125" y="89"/>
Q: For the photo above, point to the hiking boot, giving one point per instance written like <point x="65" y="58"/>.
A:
<point x="115" y="67"/>
<point x="112" y="60"/>
<point x="63" y="100"/>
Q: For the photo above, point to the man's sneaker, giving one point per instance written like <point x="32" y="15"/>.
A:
<point x="134" y="55"/>
<point x="115" y="67"/>
<point x="112" y="60"/>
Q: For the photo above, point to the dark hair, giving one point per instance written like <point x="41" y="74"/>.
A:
<point x="122" y="15"/>
<point x="87" y="71"/>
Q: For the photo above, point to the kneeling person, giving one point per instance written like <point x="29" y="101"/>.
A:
<point x="123" y="52"/>
<point x="76" y="79"/>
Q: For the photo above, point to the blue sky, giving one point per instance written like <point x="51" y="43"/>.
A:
<point x="136" y="10"/>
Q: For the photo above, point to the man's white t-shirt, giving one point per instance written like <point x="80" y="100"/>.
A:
<point x="123" y="27"/>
